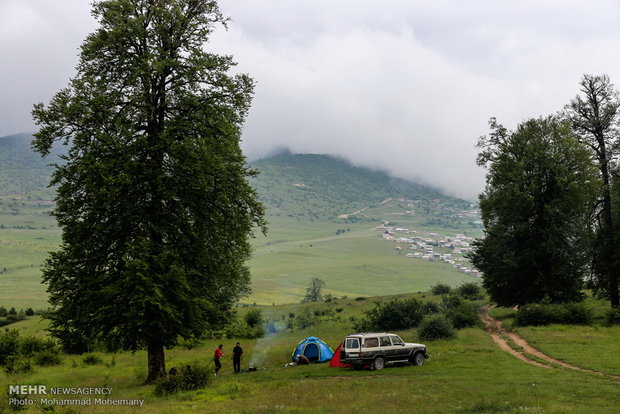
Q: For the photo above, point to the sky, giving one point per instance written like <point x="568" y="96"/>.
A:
<point x="403" y="86"/>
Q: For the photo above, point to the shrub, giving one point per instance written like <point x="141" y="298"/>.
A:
<point x="436" y="327"/>
<point x="9" y="344"/>
<point x="17" y="364"/>
<point x="612" y="317"/>
<point x="92" y="359"/>
<point x="240" y="329"/>
<point x="30" y="345"/>
<point x="47" y="358"/>
<point x="575" y="314"/>
<point x="441" y="289"/>
<point x="452" y="300"/>
<point x="471" y="291"/>
<point x="186" y="379"/>
<point x="463" y="316"/>
<point x="254" y="318"/>
<point x="393" y="315"/>
<point x="545" y="314"/>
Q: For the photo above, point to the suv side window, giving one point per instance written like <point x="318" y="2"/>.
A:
<point x="385" y="341"/>
<point x="352" y="343"/>
<point x="371" y="342"/>
<point x="397" y="341"/>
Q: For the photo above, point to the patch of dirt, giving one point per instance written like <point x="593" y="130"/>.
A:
<point x="522" y="349"/>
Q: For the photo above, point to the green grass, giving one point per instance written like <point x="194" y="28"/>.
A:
<point x="468" y="374"/>
<point x="356" y="263"/>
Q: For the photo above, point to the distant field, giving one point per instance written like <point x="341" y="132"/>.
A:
<point x="355" y="262"/>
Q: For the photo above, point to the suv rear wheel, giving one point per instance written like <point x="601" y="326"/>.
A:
<point x="378" y="363"/>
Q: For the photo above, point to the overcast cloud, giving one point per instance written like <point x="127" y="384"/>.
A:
<point x="406" y="86"/>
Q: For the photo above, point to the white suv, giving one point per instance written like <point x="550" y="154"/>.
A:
<point x="377" y="349"/>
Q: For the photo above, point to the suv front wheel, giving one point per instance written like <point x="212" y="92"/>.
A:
<point x="378" y="363"/>
<point x="418" y="359"/>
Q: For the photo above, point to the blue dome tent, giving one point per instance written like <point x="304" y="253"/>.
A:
<point x="314" y="349"/>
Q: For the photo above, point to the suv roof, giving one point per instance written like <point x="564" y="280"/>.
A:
<point x="371" y="334"/>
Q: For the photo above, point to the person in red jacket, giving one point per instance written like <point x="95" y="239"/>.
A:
<point x="216" y="358"/>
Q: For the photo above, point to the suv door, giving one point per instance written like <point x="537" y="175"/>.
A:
<point x="351" y="348"/>
<point x="400" y="350"/>
<point x="386" y="347"/>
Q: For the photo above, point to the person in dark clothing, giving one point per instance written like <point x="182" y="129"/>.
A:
<point x="237" y="352"/>
<point x="216" y="358"/>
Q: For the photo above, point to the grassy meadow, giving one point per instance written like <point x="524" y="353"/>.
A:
<point x="468" y="374"/>
<point x="353" y="262"/>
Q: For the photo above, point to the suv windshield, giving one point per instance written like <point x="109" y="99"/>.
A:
<point x="396" y="340"/>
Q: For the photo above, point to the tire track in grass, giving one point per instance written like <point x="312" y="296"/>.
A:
<point x="499" y="334"/>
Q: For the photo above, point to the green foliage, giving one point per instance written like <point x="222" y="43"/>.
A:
<point x="440" y="289"/>
<point x="470" y="291"/>
<point x="612" y="317"/>
<point x="594" y="116"/>
<point x="393" y="315"/>
<point x="92" y="359"/>
<point x="463" y="315"/>
<point x="436" y="327"/>
<point x="313" y="292"/>
<point x="47" y="358"/>
<point x="545" y="314"/>
<point x="188" y="378"/>
<point x="452" y="300"/>
<point x="254" y="318"/>
<point x="153" y="198"/>
<point x="241" y="329"/>
<point x="540" y="190"/>
<point x="16" y="352"/>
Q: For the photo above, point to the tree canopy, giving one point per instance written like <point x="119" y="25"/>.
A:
<point x="153" y="199"/>
<point x="594" y="115"/>
<point x="535" y="210"/>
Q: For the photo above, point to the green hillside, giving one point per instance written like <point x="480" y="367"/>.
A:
<point x="21" y="169"/>
<point x="324" y="187"/>
<point x="323" y="215"/>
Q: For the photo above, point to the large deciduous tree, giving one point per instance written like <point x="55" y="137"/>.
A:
<point x="535" y="210"/>
<point x="153" y="199"/>
<point x="595" y="118"/>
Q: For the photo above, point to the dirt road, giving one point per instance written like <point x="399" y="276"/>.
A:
<point x="520" y="348"/>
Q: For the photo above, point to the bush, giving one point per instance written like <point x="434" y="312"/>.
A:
<point x="240" y="329"/>
<point x="188" y="378"/>
<point x="463" y="316"/>
<point x="393" y="315"/>
<point x="92" y="359"/>
<point x="452" y="300"/>
<point x="612" y="317"/>
<point x="441" y="289"/>
<point x="30" y="345"/>
<point x="9" y="345"/>
<point x="471" y="291"/>
<point x="254" y="318"/>
<point x="436" y="327"/>
<point x="17" y="364"/>
<point x="545" y="314"/>
<point x="47" y="358"/>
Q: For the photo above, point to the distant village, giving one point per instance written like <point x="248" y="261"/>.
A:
<point x="427" y="247"/>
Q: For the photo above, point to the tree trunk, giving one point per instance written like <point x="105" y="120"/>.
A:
<point x="156" y="363"/>
<point x="610" y="236"/>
